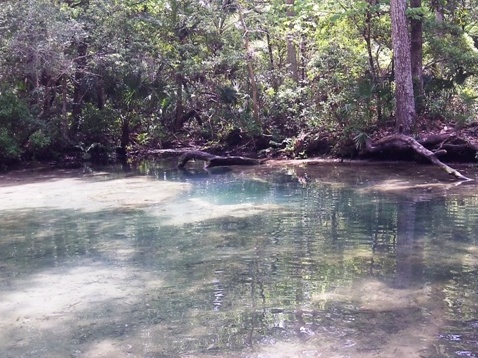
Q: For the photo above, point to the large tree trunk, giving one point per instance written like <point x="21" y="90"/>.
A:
<point x="416" y="54"/>
<point x="405" y="103"/>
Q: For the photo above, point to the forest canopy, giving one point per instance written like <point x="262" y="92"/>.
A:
<point x="96" y="77"/>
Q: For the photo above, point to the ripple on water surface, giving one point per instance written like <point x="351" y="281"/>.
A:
<point x="255" y="263"/>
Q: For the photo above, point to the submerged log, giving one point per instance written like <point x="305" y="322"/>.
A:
<point x="401" y="140"/>
<point x="215" y="160"/>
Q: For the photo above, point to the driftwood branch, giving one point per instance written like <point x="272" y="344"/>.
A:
<point x="215" y="160"/>
<point x="399" y="140"/>
<point x="185" y="155"/>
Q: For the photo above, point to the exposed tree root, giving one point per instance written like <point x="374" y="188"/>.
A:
<point x="402" y="141"/>
<point x="215" y="160"/>
<point x="185" y="155"/>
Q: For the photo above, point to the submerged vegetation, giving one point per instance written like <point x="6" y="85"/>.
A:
<point x="91" y="79"/>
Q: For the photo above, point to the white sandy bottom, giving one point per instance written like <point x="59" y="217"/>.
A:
<point x="99" y="309"/>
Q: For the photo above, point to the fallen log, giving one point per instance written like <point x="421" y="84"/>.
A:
<point x="215" y="160"/>
<point x="187" y="154"/>
<point x="399" y="140"/>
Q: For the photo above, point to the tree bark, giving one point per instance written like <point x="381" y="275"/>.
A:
<point x="405" y="103"/>
<point x="416" y="54"/>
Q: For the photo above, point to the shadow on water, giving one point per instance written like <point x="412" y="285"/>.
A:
<point x="328" y="270"/>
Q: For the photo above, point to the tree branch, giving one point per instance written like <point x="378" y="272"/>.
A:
<point x="215" y="160"/>
<point x="401" y="139"/>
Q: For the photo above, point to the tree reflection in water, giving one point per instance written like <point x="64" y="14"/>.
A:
<point x="302" y="262"/>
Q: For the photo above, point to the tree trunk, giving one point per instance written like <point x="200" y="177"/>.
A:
<point x="78" y="91"/>
<point x="416" y="55"/>
<point x="271" y="61"/>
<point x="405" y="102"/>
<point x="367" y="35"/>
<point x="374" y="76"/>
<point x="250" y="67"/>
<point x="100" y="89"/>
<point x="48" y="96"/>
<point x="303" y="59"/>
<point x="64" y="113"/>
<point x="125" y="131"/>
<point x="291" y="47"/>
<point x="179" y="101"/>
<point x="80" y="67"/>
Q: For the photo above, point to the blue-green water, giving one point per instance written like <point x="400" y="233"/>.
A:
<point x="329" y="260"/>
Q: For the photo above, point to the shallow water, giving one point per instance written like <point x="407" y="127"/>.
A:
<point x="324" y="260"/>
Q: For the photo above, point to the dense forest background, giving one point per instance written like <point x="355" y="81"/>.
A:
<point x="96" y="78"/>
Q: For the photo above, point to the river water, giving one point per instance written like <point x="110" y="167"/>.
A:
<point x="290" y="260"/>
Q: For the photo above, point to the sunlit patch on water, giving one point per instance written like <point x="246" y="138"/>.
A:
<point x="322" y="261"/>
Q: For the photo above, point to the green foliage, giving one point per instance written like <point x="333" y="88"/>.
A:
<point x="286" y="110"/>
<point x="449" y="82"/>
<point x="416" y="13"/>
<point x="99" y="126"/>
<point x="360" y="140"/>
<point x="44" y="144"/>
<point x="16" y="124"/>
<point x="153" y="71"/>
<point x="38" y="141"/>
<point x="458" y="104"/>
<point x="9" y="148"/>
<point x="228" y="95"/>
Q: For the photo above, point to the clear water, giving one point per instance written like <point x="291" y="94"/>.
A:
<point x="328" y="260"/>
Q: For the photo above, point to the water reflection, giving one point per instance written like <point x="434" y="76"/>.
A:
<point x="324" y="261"/>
